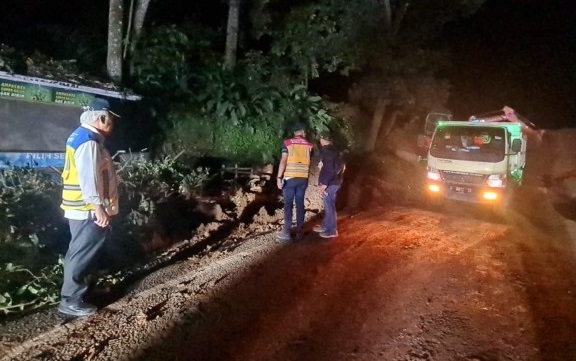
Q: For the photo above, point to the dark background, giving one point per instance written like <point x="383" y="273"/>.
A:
<point x="519" y="53"/>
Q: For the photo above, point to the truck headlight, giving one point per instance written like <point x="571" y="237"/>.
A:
<point x="433" y="174"/>
<point x="490" y="195"/>
<point x="434" y="188"/>
<point x="496" y="181"/>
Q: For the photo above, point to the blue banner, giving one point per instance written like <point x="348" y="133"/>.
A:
<point x="32" y="160"/>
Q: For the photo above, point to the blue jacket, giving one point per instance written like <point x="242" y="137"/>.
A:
<point x="332" y="166"/>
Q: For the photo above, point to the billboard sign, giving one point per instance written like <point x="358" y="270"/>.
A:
<point x="37" y="116"/>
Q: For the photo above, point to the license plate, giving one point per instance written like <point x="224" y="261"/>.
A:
<point x="462" y="190"/>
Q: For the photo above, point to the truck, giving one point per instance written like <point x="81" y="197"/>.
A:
<point x="480" y="160"/>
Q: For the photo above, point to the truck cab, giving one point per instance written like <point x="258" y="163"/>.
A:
<point x="475" y="161"/>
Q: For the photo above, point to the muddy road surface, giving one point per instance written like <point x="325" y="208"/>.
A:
<point x="399" y="283"/>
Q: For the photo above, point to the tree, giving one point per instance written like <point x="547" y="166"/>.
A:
<point x="133" y="33"/>
<point x="139" y="16"/>
<point x="385" y="44"/>
<point x="136" y="17"/>
<point x="232" y="33"/>
<point x="115" y="29"/>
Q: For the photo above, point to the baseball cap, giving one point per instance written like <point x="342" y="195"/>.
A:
<point x="99" y="104"/>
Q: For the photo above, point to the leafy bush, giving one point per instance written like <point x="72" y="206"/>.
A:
<point x="239" y="119"/>
<point x="148" y="179"/>
<point x="159" y="63"/>
<point x="34" y="234"/>
<point x="22" y="289"/>
<point x="144" y="184"/>
<point x="32" y="231"/>
<point x="200" y="136"/>
<point x="30" y="217"/>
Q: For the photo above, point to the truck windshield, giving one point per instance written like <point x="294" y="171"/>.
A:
<point x="480" y="144"/>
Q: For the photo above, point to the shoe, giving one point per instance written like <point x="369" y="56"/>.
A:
<point x="77" y="310"/>
<point x="298" y="233"/>
<point x="284" y="236"/>
<point x="328" y="234"/>
<point x="318" y="228"/>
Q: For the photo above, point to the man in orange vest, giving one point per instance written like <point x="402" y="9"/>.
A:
<point x="293" y="179"/>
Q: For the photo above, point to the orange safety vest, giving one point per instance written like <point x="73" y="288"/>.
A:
<point x="299" y="151"/>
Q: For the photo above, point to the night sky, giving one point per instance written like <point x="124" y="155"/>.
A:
<point x="519" y="53"/>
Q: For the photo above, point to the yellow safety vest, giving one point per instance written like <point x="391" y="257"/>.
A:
<point x="299" y="152"/>
<point x="71" y="193"/>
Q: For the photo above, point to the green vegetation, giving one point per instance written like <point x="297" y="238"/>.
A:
<point x="243" y="125"/>
<point x="31" y="234"/>
<point x="34" y="235"/>
<point x="236" y="112"/>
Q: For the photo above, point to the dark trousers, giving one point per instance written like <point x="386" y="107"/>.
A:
<point x="329" y="199"/>
<point x="86" y="246"/>
<point x="293" y="191"/>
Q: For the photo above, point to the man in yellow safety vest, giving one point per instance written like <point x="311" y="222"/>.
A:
<point x="89" y="201"/>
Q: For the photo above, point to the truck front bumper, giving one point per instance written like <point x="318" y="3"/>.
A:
<point x="465" y="193"/>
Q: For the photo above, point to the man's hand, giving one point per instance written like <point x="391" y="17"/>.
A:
<point x="279" y="183"/>
<point x="323" y="188"/>
<point x="102" y="218"/>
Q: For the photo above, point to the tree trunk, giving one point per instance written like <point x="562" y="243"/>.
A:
<point x="389" y="125"/>
<point x="387" y="16"/>
<point x="376" y="124"/>
<point x="138" y="19"/>
<point x="391" y="22"/>
<point x="399" y="17"/>
<point x="115" y="27"/>
<point x="139" y="16"/>
<point x="232" y="33"/>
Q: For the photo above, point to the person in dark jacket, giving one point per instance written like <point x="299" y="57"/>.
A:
<point x="329" y="181"/>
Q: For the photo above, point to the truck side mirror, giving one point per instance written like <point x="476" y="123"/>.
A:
<point x="516" y="145"/>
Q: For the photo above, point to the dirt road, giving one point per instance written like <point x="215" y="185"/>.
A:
<point x="398" y="284"/>
<point x="403" y="284"/>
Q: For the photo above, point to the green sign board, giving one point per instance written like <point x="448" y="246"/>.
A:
<point x="13" y="89"/>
